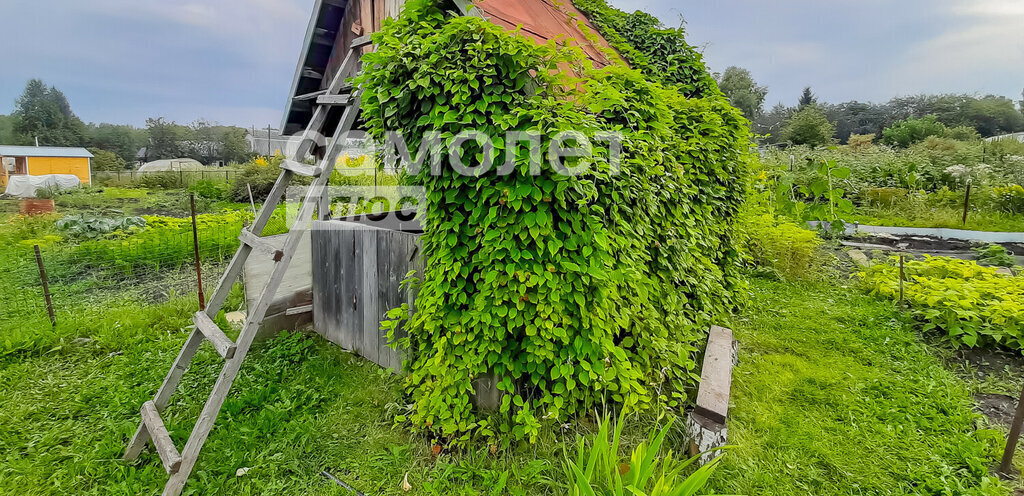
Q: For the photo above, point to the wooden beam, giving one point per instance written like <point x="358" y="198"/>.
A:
<point x="301" y="168"/>
<point x="310" y="73"/>
<point x="257" y="243"/>
<point x="161" y="439"/>
<point x="716" y="376"/>
<point x="339" y="100"/>
<point x="309" y="96"/>
<point x="225" y="347"/>
<point x="361" y="41"/>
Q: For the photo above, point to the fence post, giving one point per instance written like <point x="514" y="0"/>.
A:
<point x="901" y="279"/>
<point x="46" y="286"/>
<point x="967" y="202"/>
<point x="195" y="245"/>
<point x="1011" y="441"/>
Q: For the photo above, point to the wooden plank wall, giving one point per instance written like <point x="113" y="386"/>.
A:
<point x="357" y="272"/>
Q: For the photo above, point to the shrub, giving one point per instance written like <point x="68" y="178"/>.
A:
<point x="971" y="304"/>
<point x="567" y="289"/>
<point x="780" y="245"/>
<point x="161" y="180"/>
<point x="994" y="255"/>
<point x="103" y="160"/>
<point x="213" y="190"/>
<point x="860" y="141"/>
<point x="84" y="227"/>
<point x="909" y="131"/>
<point x="260" y="174"/>
<point x="884" y="197"/>
<point x="1009" y="199"/>
<point x="809" y="126"/>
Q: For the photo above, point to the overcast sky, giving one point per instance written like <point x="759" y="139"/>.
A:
<point x="232" y="61"/>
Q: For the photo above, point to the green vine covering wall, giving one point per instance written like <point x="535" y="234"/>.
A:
<point x="660" y="53"/>
<point x="571" y="291"/>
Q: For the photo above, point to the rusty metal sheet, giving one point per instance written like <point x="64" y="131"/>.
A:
<point x="542" y="21"/>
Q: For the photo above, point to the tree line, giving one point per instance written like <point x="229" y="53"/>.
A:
<point x="814" y="123"/>
<point x="43" y="112"/>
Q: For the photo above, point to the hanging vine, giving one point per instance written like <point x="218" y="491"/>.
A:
<point x="567" y="290"/>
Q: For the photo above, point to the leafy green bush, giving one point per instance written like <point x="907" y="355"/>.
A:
<point x="567" y="289"/>
<point x="971" y="304"/>
<point x="598" y="469"/>
<point x="1009" y="198"/>
<point x="161" y="180"/>
<point x="780" y="245"/>
<point x="809" y="126"/>
<point x="994" y="255"/>
<point x="260" y="174"/>
<point x="85" y="227"/>
<point x="212" y="190"/>
<point x="909" y="131"/>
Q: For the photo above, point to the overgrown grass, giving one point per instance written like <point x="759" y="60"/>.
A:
<point x="833" y="395"/>
<point x="300" y="406"/>
<point x="977" y="220"/>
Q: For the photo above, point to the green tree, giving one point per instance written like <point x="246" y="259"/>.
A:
<point x="809" y="126"/>
<point x="123" y="140"/>
<point x="43" y="112"/>
<point x="807" y="98"/>
<point x="770" y="123"/>
<point x="742" y="91"/>
<point x="993" y="115"/>
<point x="233" y="146"/>
<point x="104" y="160"/>
<point x="6" y="130"/>
<point x="165" y="139"/>
<point x="909" y="131"/>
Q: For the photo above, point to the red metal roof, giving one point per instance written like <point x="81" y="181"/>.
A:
<point x="543" y="21"/>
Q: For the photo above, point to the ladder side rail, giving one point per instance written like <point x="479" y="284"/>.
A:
<point x="227" y="376"/>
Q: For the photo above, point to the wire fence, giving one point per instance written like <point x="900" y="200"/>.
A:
<point x="163" y="179"/>
<point x="145" y="265"/>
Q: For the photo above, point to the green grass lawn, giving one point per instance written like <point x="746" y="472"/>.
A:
<point x="833" y="395"/>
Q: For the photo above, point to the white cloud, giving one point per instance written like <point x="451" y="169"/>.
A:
<point x="982" y="50"/>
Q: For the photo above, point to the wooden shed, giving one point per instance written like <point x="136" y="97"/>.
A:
<point x="357" y="265"/>
<point x="43" y="160"/>
<point x="335" y="23"/>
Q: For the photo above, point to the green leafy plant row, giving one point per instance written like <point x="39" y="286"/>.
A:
<point x="971" y="304"/>
<point x="566" y="290"/>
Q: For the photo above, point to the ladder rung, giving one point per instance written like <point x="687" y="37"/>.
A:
<point x="217" y="338"/>
<point x="301" y="168"/>
<point x="161" y="439"/>
<point x="333" y="100"/>
<point x="258" y="243"/>
<point x="310" y="96"/>
<point x="361" y="41"/>
<point x="299" y="310"/>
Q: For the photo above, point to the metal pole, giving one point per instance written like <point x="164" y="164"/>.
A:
<point x="46" y="286"/>
<point x="967" y="202"/>
<point x="1011" y="441"/>
<point x="251" y="201"/>
<point x="901" y="278"/>
<point x="195" y="244"/>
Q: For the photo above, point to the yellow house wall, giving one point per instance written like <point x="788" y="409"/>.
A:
<point x="39" y="166"/>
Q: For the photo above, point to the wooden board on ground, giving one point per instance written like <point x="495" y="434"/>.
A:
<point x="716" y="376"/>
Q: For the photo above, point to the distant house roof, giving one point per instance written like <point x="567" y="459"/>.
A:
<point x="44" y="151"/>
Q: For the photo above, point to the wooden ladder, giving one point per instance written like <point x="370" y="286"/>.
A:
<point x="180" y="464"/>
